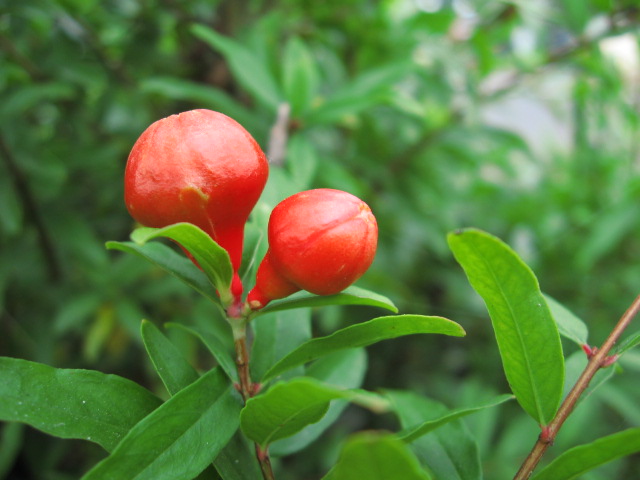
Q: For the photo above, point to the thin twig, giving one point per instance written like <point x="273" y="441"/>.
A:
<point x="597" y="361"/>
<point x="279" y="136"/>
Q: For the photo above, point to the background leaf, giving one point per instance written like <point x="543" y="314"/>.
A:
<point x="569" y="325"/>
<point x="80" y="404"/>
<point x="527" y="336"/>
<point x="364" y="334"/>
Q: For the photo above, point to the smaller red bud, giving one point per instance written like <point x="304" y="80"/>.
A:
<point x="320" y="241"/>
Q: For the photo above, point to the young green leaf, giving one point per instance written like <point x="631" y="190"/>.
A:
<point x="174" y="370"/>
<point x="247" y="68"/>
<point x="172" y="262"/>
<point x="376" y="456"/>
<point x="578" y="460"/>
<point x="569" y="325"/>
<point x="350" y="296"/>
<point x="180" y="438"/>
<point x="430" y="425"/>
<point x="212" y="258"/>
<point x="344" y="369"/>
<point x="364" y="334"/>
<point x="288" y="407"/>
<point x="68" y="403"/>
<point x="450" y="451"/>
<point x="527" y="336"/>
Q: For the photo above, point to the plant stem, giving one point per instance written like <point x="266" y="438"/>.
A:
<point x="598" y="360"/>
<point x="247" y="388"/>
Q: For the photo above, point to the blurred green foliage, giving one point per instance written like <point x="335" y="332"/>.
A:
<point x="520" y="118"/>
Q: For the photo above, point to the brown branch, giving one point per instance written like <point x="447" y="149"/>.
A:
<point x="597" y="361"/>
<point x="279" y="135"/>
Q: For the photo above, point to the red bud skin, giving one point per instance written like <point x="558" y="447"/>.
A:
<point x="320" y="240"/>
<point x="200" y="167"/>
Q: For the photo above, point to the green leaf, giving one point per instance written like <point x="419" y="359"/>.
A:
<point x="569" y="325"/>
<point x="180" y="438"/>
<point x="248" y="69"/>
<point x="219" y="343"/>
<point x="174" y="371"/>
<point x="212" y="258"/>
<point x="68" y="403"/>
<point x="449" y="452"/>
<point x="376" y="456"/>
<point x="300" y="75"/>
<point x="288" y="407"/>
<point x="350" y="296"/>
<point x="575" y="365"/>
<point x="628" y="343"/>
<point x="172" y="262"/>
<point x="527" y="336"/>
<point x="237" y="460"/>
<point x="430" y="425"/>
<point x="275" y="335"/>
<point x="344" y="369"/>
<point x="364" y="334"/>
<point x="579" y="460"/>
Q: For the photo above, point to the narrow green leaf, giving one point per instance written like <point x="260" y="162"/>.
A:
<point x="68" y="403"/>
<point x="376" y="456"/>
<point x="300" y="75"/>
<point x="344" y="369"/>
<point x="248" y="69"/>
<point x="364" y="334"/>
<point x="212" y="258"/>
<point x="350" y="296"/>
<point x="288" y="407"/>
<point x="579" y="460"/>
<point x="180" y="438"/>
<point x="450" y="452"/>
<point x="569" y="325"/>
<point x="237" y="460"/>
<point x="220" y="345"/>
<point x="527" y="336"/>
<point x="430" y="425"/>
<point x="174" y="370"/>
<point x="172" y="262"/>
<point x="628" y="343"/>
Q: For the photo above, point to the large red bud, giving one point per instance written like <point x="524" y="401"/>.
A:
<point x="200" y="167"/>
<point x="320" y="241"/>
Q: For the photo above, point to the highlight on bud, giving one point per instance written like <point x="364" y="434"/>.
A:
<point x="200" y="167"/>
<point x="320" y="241"/>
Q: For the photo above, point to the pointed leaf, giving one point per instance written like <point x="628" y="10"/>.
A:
<point x="579" y="460"/>
<point x="248" y="69"/>
<point x="288" y="407"/>
<point x="628" y="343"/>
<point x="300" y="75"/>
<point x="364" y="334"/>
<point x="345" y="369"/>
<point x="174" y="370"/>
<point x="376" y="456"/>
<point x="527" y="336"/>
<point x="430" y="425"/>
<point x="569" y="325"/>
<point x="72" y="403"/>
<point x="172" y="262"/>
<point x="180" y="438"/>
<point x="350" y="296"/>
<point x="212" y="258"/>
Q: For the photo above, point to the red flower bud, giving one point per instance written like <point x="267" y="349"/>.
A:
<point x="320" y="240"/>
<point x="200" y="167"/>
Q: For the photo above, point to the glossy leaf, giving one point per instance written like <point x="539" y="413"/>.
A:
<point x="174" y="370"/>
<point x="220" y="346"/>
<point x="180" y="438"/>
<point x="450" y="451"/>
<point x="569" y="325"/>
<point x="288" y="407"/>
<point x="170" y="261"/>
<point x="69" y="403"/>
<point x="376" y="456"/>
<point x="578" y="460"/>
<point x="350" y="296"/>
<point x="212" y="258"/>
<point x="527" y="335"/>
<point x="344" y="369"/>
<point x="364" y="334"/>
<point x="430" y="425"/>
<point x="248" y="69"/>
